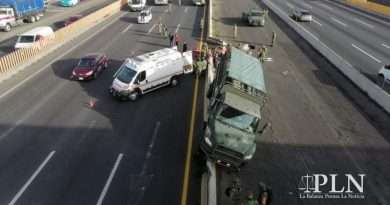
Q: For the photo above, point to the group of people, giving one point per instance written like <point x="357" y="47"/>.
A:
<point x="174" y="38"/>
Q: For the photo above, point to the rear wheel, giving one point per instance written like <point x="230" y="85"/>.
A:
<point x="381" y="80"/>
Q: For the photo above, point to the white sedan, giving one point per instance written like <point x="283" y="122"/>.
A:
<point x="145" y="16"/>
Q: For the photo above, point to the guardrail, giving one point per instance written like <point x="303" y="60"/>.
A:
<point x="20" y="57"/>
<point x="376" y="93"/>
<point x="379" y="8"/>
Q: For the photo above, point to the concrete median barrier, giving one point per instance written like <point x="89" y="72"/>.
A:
<point x="376" y="93"/>
<point x="371" y="6"/>
<point x="22" y="57"/>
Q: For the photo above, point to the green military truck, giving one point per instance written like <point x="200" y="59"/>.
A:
<point x="254" y="17"/>
<point x="234" y="103"/>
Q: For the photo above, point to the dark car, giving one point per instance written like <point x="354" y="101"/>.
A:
<point x="90" y="66"/>
<point x="72" y="19"/>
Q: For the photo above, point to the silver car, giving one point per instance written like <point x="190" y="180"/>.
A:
<point x="302" y="15"/>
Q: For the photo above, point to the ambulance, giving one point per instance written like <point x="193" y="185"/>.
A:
<point x="150" y="71"/>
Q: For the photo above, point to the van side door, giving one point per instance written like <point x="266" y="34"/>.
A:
<point x="141" y="81"/>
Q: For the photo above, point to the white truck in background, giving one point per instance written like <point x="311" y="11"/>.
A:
<point x="150" y="71"/>
<point x="136" y="5"/>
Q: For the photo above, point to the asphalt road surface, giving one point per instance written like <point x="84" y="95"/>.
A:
<point x="321" y="123"/>
<point x="54" y="17"/>
<point x="69" y="142"/>
<point x="359" y="38"/>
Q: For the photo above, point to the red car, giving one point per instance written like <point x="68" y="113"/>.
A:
<point x="72" y="19"/>
<point x="90" y="66"/>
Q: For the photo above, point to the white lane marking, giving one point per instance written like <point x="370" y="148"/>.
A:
<point x="365" y="52"/>
<point x="35" y="174"/>
<point x="127" y="28"/>
<point x="306" y="5"/>
<point x="151" y="29"/>
<point x="185" y="10"/>
<point x="317" y="22"/>
<point x="338" y="21"/>
<point x="177" y="28"/>
<point x="112" y="174"/>
<point x="150" y="148"/>
<point x="364" y="23"/>
<point x="323" y="5"/>
<point x="58" y="57"/>
<point x="289" y="5"/>
<point x="384" y="45"/>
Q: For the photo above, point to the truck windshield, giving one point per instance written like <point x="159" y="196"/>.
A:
<point x="257" y="13"/>
<point x="126" y="74"/>
<point x="3" y="12"/>
<point x="26" y="39"/>
<point x="236" y="118"/>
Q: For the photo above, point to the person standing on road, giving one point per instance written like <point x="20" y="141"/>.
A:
<point x="273" y="38"/>
<point x="171" y="38"/>
<point x="250" y="200"/>
<point x="165" y="31"/>
<point x="160" y="28"/>
<point x="184" y="46"/>
<point x="177" y="39"/>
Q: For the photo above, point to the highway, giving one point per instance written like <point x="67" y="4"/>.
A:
<point x="54" y="17"/>
<point x="321" y="123"/>
<point x="360" y="39"/>
<point x="68" y="142"/>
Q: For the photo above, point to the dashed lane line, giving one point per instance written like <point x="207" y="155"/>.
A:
<point x="339" y="22"/>
<point x="366" y="53"/>
<point x="31" y="179"/>
<point x="109" y="180"/>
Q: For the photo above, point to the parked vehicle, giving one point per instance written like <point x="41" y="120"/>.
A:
<point x="384" y="74"/>
<point x="72" y="19"/>
<point x="234" y="119"/>
<point x="136" y="5"/>
<point x="161" y="2"/>
<point x="90" y="66"/>
<point x="14" y="12"/>
<point x="302" y="15"/>
<point x="254" y="16"/>
<point x="69" y="3"/>
<point x="145" y="16"/>
<point x="150" y="71"/>
<point x="199" y="2"/>
<point x="27" y="39"/>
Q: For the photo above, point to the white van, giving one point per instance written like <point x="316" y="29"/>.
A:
<point x="150" y="71"/>
<point x="27" y="40"/>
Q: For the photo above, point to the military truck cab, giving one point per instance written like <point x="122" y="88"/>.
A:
<point x="235" y="117"/>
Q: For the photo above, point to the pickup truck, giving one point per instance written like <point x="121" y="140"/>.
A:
<point x="254" y="16"/>
<point x="13" y="12"/>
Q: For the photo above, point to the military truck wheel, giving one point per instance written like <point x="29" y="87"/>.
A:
<point x="7" y="28"/>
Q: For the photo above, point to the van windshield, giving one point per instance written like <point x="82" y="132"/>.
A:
<point x="126" y="74"/>
<point x="26" y="39"/>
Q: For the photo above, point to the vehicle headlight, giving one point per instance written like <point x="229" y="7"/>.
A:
<point x="89" y="72"/>
<point x="207" y="135"/>
<point x="250" y="153"/>
<point x="74" y="73"/>
<point x="248" y="157"/>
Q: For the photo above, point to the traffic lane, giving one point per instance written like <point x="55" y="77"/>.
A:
<point x="358" y="32"/>
<point x="50" y="18"/>
<point x="333" y="106"/>
<point x="23" y="142"/>
<point x="364" y="58"/>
